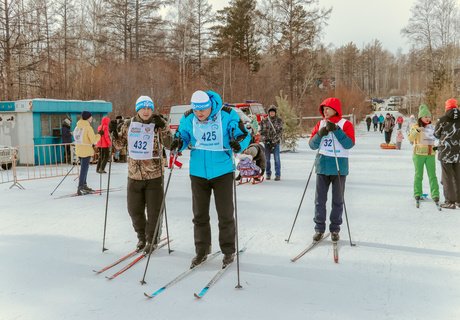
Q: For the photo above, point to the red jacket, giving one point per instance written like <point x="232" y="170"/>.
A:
<point x="334" y="103"/>
<point x="105" y="141"/>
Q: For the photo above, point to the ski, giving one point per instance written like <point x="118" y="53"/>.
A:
<point x="214" y="279"/>
<point x="127" y="256"/>
<point x="335" y="249"/>
<point x="310" y="247"/>
<point x="96" y="191"/>
<point x="135" y="261"/>
<point x="180" y="277"/>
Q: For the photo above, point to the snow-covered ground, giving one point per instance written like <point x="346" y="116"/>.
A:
<point x="406" y="264"/>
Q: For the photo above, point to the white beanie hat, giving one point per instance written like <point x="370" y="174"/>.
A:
<point x="144" y="102"/>
<point x="200" y="100"/>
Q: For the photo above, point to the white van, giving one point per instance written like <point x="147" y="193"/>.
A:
<point x="176" y="113"/>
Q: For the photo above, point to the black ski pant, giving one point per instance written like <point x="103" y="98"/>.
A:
<point x="451" y="181"/>
<point x="222" y="187"/>
<point x="145" y="195"/>
<point x="322" y="188"/>
<point x="103" y="158"/>
<point x="388" y="136"/>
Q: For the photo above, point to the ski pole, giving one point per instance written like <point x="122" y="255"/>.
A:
<point x="63" y="179"/>
<point x="107" y="198"/>
<point x="235" y="204"/>
<point x="303" y="195"/>
<point x="171" y="159"/>
<point x="342" y="191"/>
<point x="157" y="227"/>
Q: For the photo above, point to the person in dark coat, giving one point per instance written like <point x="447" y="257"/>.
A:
<point x="368" y="123"/>
<point x="447" y="130"/>
<point x="375" y="121"/>
<point x="271" y="131"/>
<point x="66" y="137"/>
<point x="388" y="126"/>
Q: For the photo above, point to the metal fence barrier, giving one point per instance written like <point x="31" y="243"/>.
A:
<point x="24" y="163"/>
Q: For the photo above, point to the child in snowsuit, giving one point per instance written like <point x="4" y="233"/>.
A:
<point x="421" y="135"/>
<point x="257" y="153"/>
<point x="214" y="133"/>
<point x="333" y="136"/>
<point x="399" y="139"/>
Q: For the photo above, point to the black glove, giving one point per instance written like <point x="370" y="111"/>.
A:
<point x="159" y="122"/>
<point x="435" y="148"/>
<point x="331" y="126"/>
<point x="176" y="144"/>
<point x="323" y="132"/>
<point x="101" y="132"/>
<point x="235" y="146"/>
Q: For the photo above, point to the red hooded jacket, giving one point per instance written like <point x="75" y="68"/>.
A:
<point x="105" y="141"/>
<point x="334" y="103"/>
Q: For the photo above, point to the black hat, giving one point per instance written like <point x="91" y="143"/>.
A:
<point x="85" y="115"/>
<point x="272" y="108"/>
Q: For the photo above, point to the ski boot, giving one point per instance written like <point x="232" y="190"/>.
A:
<point x="228" y="258"/>
<point x="318" y="236"/>
<point x="335" y="236"/>
<point x="448" y="205"/>
<point x="140" y="245"/>
<point x="198" y="259"/>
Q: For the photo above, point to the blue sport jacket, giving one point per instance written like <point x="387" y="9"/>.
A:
<point x="212" y="164"/>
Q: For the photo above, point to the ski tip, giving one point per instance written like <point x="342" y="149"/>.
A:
<point x="148" y="295"/>
<point x="197" y="296"/>
<point x="109" y="278"/>
<point x="96" y="271"/>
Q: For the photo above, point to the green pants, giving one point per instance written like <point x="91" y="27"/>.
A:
<point x="430" y="163"/>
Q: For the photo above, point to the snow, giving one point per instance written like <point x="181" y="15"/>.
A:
<point x="405" y="265"/>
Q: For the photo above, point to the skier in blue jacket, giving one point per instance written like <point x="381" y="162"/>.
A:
<point x="214" y="134"/>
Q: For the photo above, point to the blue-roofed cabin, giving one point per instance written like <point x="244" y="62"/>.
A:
<point x="36" y="122"/>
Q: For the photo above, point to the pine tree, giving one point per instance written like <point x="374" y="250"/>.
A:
<point x="290" y="119"/>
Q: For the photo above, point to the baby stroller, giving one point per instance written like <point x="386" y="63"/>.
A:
<point x="249" y="171"/>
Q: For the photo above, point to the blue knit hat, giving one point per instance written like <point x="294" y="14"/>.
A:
<point x="144" y="102"/>
<point x="85" y="115"/>
<point x="200" y="100"/>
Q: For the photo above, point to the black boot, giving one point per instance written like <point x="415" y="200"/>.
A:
<point x="228" y="258"/>
<point x="198" y="259"/>
<point x="150" y="247"/>
<point x="88" y="189"/>
<point x="140" y="245"/>
<point x="318" y="236"/>
<point x="335" y="236"/>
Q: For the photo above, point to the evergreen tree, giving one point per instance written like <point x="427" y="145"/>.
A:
<point x="290" y="119"/>
<point x="236" y="35"/>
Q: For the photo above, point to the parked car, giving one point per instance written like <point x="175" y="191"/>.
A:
<point x="250" y="108"/>
<point x="6" y="157"/>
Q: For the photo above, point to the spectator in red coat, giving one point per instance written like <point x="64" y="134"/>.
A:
<point x="400" y="121"/>
<point x="104" y="145"/>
